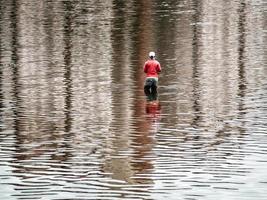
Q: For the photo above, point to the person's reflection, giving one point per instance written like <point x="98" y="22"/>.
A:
<point x="153" y="107"/>
<point x="144" y="139"/>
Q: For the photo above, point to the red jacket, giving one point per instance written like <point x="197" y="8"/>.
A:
<point x="152" y="68"/>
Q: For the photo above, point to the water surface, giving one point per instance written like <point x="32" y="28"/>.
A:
<point x="74" y="120"/>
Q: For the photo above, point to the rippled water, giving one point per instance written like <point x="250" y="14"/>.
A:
<point x="74" y="121"/>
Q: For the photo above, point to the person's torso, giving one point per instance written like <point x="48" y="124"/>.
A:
<point x="152" y="68"/>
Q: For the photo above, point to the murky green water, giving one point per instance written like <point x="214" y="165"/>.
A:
<point x="74" y="121"/>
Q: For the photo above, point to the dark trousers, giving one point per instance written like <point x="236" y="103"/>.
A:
<point x="150" y="87"/>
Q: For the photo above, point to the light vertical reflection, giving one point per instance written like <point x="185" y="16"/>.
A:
<point x="217" y="62"/>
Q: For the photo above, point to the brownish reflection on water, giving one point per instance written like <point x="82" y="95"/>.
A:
<point x="74" y="121"/>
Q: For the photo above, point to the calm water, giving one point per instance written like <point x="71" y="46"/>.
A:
<point x="74" y="121"/>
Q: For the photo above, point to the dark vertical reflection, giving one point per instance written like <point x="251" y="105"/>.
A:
<point x="143" y="138"/>
<point x="121" y="92"/>
<point x="1" y="90"/>
<point x="165" y="32"/>
<point x="1" y="69"/>
<point x="195" y="59"/>
<point x="14" y="64"/>
<point x="241" y="49"/>
<point x="49" y="45"/>
<point x="131" y="37"/>
<point x="121" y="80"/>
<point x="118" y="37"/>
<point x="68" y="17"/>
<point x="15" y="86"/>
<point x="241" y="62"/>
<point x="142" y="29"/>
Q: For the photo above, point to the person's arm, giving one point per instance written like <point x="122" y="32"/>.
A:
<point x="145" y="67"/>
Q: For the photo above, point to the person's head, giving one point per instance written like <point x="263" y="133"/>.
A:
<point x="151" y="55"/>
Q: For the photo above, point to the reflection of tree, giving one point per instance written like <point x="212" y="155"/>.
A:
<point x="195" y="66"/>
<point x="67" y="61"/>
<point x="1" y="79"/>
<point x="1" y="92"/>
<point x="241" y="57"/>
<point x="144" y="39"/>
<point x="14" y="60"/>
<point x="241" y="49"/>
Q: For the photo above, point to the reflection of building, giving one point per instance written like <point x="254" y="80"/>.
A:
<point x="38" y="111"/>
<point x="90" y="71"/>
<point x="207" y="52"/>
<point x="218" y="60"/>
<point x="205" y="70"/>
<point x="51" y="86"/>
<point x="34" y="112"/>
<point x="223" y="49"/>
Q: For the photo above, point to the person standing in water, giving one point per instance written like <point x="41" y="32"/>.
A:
<point x="151" y="68"/>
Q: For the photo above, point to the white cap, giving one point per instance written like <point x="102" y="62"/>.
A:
<point x="152" y="54"/>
